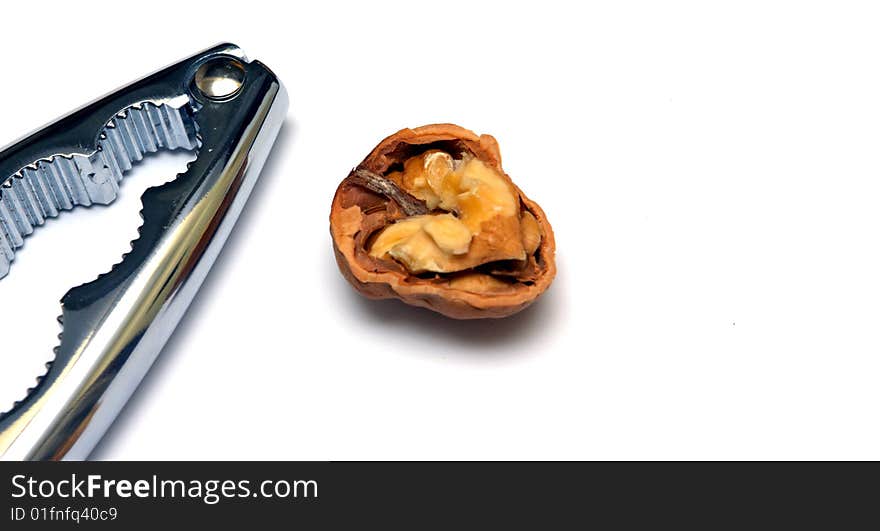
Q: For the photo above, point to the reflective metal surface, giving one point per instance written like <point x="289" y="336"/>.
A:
<point x="230" y="111"/>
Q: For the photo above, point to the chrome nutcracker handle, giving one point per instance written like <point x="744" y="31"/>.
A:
<point x="218" y="103"/>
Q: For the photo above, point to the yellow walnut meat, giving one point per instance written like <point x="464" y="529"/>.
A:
<point x="431" y="218"/>
<point x="472" y="201"/>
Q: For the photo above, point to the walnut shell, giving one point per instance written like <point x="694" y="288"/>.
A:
<point x="358" y="212"/>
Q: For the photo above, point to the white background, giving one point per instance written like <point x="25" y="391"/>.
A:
<point x="711" y="172"/>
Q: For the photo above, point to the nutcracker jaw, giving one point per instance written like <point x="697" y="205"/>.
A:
<point x="217" y="103"/>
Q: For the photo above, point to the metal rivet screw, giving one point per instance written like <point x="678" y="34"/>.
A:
<point x="220" y="79"/>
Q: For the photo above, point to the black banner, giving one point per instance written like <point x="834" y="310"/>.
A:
<point x="416" y="495"/>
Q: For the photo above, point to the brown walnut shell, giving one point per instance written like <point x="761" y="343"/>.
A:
<point x="359" y="211"/>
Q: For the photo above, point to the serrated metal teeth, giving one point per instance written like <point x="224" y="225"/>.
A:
<point x="47" y="187"/>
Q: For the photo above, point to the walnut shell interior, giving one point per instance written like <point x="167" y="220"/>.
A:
<point x="430" y="218"/>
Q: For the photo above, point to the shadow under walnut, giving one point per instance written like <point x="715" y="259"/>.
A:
<point x="469" y="249"/>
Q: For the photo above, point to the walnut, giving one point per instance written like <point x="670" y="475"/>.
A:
<point x="430" y="218"/>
